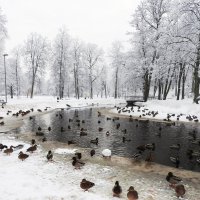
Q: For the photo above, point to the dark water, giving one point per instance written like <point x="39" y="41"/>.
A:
<point x="143" y="134"/>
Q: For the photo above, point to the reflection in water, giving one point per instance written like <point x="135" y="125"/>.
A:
<point x="143" y="134"/>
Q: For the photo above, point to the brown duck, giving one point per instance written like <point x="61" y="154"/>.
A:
<point x="32" y="149"/>
<point x="2" y="147"/>
<point x="9" y="150"/>
<point x="117" y="190"/>
<point x="132" y="194"/>
<point x="86" y="185"/>
<point x="180" y="190"/>
<point x="22" y="156"/>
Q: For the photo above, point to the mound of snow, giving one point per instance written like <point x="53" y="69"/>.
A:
<point x="106" y="152"/>
<point x="65" y="151"/>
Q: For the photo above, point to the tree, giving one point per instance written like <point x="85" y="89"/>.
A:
<point x="118" y="62"/>
<point x="93" y="57"/>
<point x="61" y="60"/>
<point x="36" y="50"/>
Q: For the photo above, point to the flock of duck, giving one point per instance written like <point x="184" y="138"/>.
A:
<point x="77" y="163"/>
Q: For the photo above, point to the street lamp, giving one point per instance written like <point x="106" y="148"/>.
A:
<point x="4" y="56"/>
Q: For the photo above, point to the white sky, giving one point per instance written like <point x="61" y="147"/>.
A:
<point x="96" y="21"/>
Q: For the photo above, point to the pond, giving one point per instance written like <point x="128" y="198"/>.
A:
<point x="140" y="133"/>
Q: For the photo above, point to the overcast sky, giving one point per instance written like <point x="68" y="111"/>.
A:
<point x="96" y="21"/>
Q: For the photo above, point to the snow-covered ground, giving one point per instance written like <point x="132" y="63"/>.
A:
<point x="35" y="178"/>
<point x="41" y="102"/>
<point x="180" y="109"/>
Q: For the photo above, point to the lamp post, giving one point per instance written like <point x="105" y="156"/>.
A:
<point x="4" y="56"/>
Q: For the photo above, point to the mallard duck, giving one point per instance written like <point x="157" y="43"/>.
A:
<point x="83" y="129"/>
<point x="117" y="126"/>
<point x="49" y="128"/>
<point x="137" y="156"/>
<point x="117" y="190"/>
<point x="175" y="146"/>
<point x="9" y="150"/>
<point x="22" y="156"/>
<point x="86" y="185"/>
<point x="76" y="163"/>
<point x="96" y="141"/>
<point x="92" y="152"/>
<point x="172" y="179"/>
<point x="132" y="194"/>
<point x="180" y="190"/>
<point x="39" y="128"/>
<point x="100" y="129"/>
<point x="32" y="149"/>
<point x="49" y="156"/>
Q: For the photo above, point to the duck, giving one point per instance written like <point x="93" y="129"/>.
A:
<point x="32" y="148"/>
<point x="39" y="134"/>
<point x="9" y="150"/>
<point x="22" y="156"/>
<point x="175" y="160"/>
<point x="44" y="139"/>
<point x="100" y="129"/>
<point x="69" y="127"/>
<point x="86" y="185"/>
<point x="82" y="133"/>
<point x="117" y="190"/>
<point x="150" y="146"/>
<point x="175" y="146"/>
<point x="39" y="128"/>
<point x="172" y="179"/>
<point x="76" y="163"/>
<point x="78" y="155"/>
<point x="49" y="128"/>
<point x="96" y="141"/>
<point x="132" y="193"/>
<point x="92" y="152"/>
<point x="117" y="126"/>
<point x="50" y="156"/>
<point x="180" y="190"/>
<point x="99" y="121"/>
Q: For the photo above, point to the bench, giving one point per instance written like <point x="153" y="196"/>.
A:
<point x="2" y="102"/>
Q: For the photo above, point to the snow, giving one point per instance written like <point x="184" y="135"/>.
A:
<point x="170" y="106"/>
<point x="65" y="151"/>
<point x="41" y="102"/>
<point x="106" y="152"/>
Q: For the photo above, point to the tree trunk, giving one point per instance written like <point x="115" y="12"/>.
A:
<point x="179" y="80"/>
<point x="196" y="73"/>
<point x="116" y="83"/>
